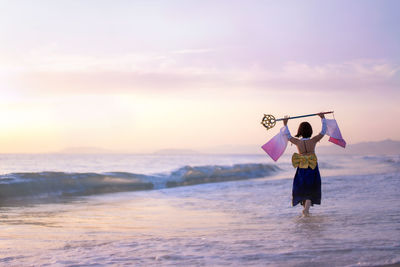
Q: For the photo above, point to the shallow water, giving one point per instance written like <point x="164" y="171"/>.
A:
<point x="239" y="223"/>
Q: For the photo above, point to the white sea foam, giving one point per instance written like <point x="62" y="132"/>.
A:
<point x="39" y="185"/>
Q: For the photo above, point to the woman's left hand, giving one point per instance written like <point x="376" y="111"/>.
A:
<point x="285" y="120"/>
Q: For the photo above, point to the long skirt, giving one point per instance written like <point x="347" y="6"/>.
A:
<point x="306" y="185"/>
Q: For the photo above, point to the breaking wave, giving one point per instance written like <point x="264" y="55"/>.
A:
<point x="50" y="185"/>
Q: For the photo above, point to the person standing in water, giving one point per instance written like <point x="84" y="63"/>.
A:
<point x="307" y="180"/>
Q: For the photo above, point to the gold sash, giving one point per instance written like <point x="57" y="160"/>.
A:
<point x="304" y="161"/>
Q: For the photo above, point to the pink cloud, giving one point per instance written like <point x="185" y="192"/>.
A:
<point x="101" y="78"/>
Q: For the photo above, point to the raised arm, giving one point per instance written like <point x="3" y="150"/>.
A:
<point x="318" y="137"/>
<point x="287" y="132"/>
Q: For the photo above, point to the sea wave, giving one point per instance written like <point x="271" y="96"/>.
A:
<point x="392" y="160"/>
<point x="50" y="185"/>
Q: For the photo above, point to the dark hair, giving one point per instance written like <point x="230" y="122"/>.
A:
<point x="305" y="130"/>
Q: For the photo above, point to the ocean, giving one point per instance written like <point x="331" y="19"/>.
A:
<point x="195" y="210"/>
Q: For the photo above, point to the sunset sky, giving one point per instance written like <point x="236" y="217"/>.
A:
<point x="138" y="76"/>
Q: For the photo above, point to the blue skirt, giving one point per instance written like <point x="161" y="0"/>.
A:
<point x="306" y="185"/>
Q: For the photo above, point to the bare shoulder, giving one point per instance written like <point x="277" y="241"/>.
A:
<point x="294" y="140"/>
<point x="317" y="138"/>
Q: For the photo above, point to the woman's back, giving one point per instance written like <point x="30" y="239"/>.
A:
<point x="306" y="146"/>
<point x="307" y="181"/>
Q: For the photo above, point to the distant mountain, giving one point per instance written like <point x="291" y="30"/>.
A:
<point x="234" y="149"/>
<point x="175" y="152"/>
<point x="388" y="147"/>
<point x="85" y="150"/>
<point x="380" y="147"/>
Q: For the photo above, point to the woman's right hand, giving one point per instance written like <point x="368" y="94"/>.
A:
<point x="321" y="115"/>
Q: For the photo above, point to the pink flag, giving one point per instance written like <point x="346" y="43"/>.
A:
<point x="334" y="133"/>
<point x="277" y="145"/>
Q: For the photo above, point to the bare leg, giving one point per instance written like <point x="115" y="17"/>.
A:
<point x="307" y="205"/>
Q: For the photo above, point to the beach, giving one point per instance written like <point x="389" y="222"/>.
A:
<point x="245" y="222"/>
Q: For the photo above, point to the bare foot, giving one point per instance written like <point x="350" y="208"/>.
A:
<point x="306" y="213"/>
